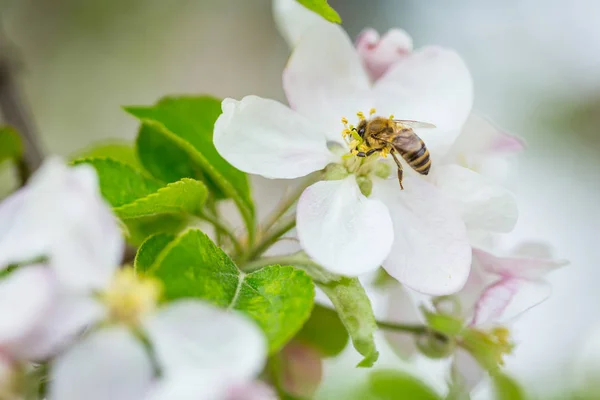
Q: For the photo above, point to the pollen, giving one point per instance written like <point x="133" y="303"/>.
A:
<point x="392" y="117"/>
<point x="384" y="153"/>
<point x="360" y="115"/>
<point x="344" y="121"/>
<point x="129" y="297"/>
<point x="372" y="111"/>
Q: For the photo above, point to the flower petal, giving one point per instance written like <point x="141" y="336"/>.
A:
<point x="516" y="267"/>
<point x="264" y="137"/>
<point x="481" y="203"/>
<point x="26" y="295"/>
<point x="67" y="318"/>
<point x="430" y="85"/>
<point x="108" y="364"/>
<point x="341" y="229"/>
<point x="293" y="20"/>
<point x="480" y="137"/>
<point x="380" y="54"/>
<point x="402" y="308"/>
<point x="469" y="369"/>
<point x="190" y="385"/>
<point x="63" y="217"/>
<point x="324" y="79"/>
<point x="194" y="335"/>
<point x="256" y="390"/>
<point x="431" y="252"/>
<point x="507" y="298"/>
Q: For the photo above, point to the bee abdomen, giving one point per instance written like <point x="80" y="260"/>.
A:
<point x="419" y="160"/>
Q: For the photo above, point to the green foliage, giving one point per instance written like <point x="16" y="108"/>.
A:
<point x="278" y="298"/>
<point x="115" y="150"/>
<point x="134" y="195"/>
<point x="506" y="388"/>
<point x="11" y="147"/>
<point x="354" y="309"/>
<point x="323" y="9"/>
<point x="392" y="385"/>
<point x="443" y="323"/>
<point x="175" y="141"/>
<point x="150" y="250"/>
<point x="324" y="331"/>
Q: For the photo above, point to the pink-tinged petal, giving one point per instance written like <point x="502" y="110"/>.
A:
<point x="469" y="369"/>
<point x="301" y="370"/>
<point x="431" y="252"/>
<point x="324" y="79"/>
<point x="63" y="217"/>
<point x="26" y="295"/>
<point x="480" y="137"/>
<point x="65" y="320"/>
<point x="341" y="229"/>
<point x="402" y="308"/>
<point x="476" y="284"/>
<point x="189" y="384"/>
<point x="430" y="85"/>
<point x="293" y="20"/>
<point x="379" y="54"/>
<point x="256" y="390"/>
<point x="10" y="208"/>
<point x="508" y="298"/>
<point x="264" y="137"/>
<point x="108" y="364"/>
<point x="530" y="268"/>
<point x="482" y="203"/>
<point x="194" y="335"/>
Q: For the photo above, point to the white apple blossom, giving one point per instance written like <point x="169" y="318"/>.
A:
<point x="476" y="172"/>
<point x="61" y="217"/>
<point x="499" y="289"/>
<point x="416" y="234"/>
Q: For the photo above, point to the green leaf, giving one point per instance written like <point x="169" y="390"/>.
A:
<point x="324" y="331"/>
<point x="175" y="141"/>
<point x="134" y="195"/>
<point x="354" y="309"/>
<point x="139" y="229"/>
<point x="149" y="251"/>
<point x="506" y="388"/>
<point x="386" y="384"/>
<point x="278" y="298"/>
<point x="120" y="151"/>
<point x="11" y="147"/>
<point x="323" y="9"/>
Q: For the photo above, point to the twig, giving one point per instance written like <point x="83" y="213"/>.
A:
<point x="16" y="112"/>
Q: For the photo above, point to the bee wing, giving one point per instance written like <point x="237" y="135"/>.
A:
<point x="414" y="124"/>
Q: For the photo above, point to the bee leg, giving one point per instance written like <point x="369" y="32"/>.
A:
<point x="361" y="154"/>
<point x="400" y="169"/>
<point x="372" y="151"/>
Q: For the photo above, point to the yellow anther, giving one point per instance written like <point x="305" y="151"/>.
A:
<point x="372" y="111"/>
<point x="355" y="152"/>
<point x="346" y="132"/>
<point x="344" y="121"/>
<point x="384" y="153"/>
<point x="363" y="147"/>
<point x="360" y="115"/>
<point x="392" y="117"/>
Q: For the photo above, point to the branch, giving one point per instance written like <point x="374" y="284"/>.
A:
<point x="15" y="111"/>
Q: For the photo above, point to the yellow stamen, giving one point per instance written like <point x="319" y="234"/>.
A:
<point x="354" y="144"/>
<point x="384" y="153"/>
<point x="392" y="117"/>
<point x="130" y="297"/>
<point x="372" y="111"/>
<point x="344" y="121"/>
<point x="360" y="115"/>
<point x="355" y="152"/>
<point x="363" y="147"/>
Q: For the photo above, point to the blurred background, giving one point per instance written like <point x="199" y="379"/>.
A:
<point x="536" y="65"/>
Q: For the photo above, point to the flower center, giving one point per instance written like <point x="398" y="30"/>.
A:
<point x="130" y="297"/>
<point x="362" y="158"/>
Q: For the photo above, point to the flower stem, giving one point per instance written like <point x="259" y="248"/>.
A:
<point x="271" y="237"/>
<point x="416" y="329"/>
<point x="223" y="229"/>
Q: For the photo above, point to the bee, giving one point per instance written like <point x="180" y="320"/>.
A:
<point x="396" y="136"/>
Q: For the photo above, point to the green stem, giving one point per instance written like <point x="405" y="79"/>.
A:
<point x="406" y="328"/>
<point x="270" y="238"/>
<point x="287" y="203"/>
<point x="288" y="259"/>
<point x="224" y="229"/>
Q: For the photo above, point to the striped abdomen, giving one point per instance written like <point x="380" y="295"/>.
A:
<point x="418" y="159"/>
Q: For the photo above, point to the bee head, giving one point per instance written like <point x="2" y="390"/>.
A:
<point x="361" y="128"/>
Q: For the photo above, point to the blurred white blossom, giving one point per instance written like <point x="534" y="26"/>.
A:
<point x="499" y="289"/>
